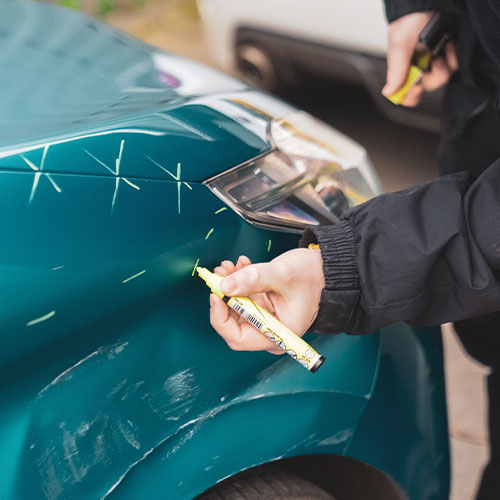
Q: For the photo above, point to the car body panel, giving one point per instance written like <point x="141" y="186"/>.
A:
<point x="112" y="382"/>
<point x="357" y="25"/>
<point x="345" y="41"/>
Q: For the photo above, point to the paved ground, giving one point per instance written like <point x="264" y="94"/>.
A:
<point x="402" y="156"/>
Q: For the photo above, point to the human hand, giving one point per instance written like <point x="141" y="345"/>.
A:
<point x="403" y="42"/>
<point x="289" y="287"/>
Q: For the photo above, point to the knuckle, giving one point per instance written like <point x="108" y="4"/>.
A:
<point x="250" y="276"/>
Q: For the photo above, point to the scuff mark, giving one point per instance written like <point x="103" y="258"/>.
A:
<point x="71" y="453"/>
<point x="66" y="372"/>
<point x="195" y="266"/>
<point x="134" y="276"/>
<point x="131" y="466"/>
<point x="220" y="210"/>
<point x="128" y="434"/>
<point x="269" y="245"/>
<point x="51" y="486"/>
<point x="41" y="319"/>
<point x="111" y="351"/>
<point x="117" y="388"/>
<point x="131" y="389"/>
<point x="209" y="233"/>
<point x="176" y="396"/>
<point x="197" y="422"/>
<point x="56" y="268"/>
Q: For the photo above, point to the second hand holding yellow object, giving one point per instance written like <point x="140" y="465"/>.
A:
<point x="266" y="323"/>
<point x="434" y="36"/>
<point x="415" y="73"/>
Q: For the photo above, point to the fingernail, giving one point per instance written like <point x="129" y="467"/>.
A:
<point x="212" y="300"/>
<point x="228" y="285"/>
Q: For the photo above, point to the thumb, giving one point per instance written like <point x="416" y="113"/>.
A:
<point x="398" y="64"/>
<point x="264" y="277"/>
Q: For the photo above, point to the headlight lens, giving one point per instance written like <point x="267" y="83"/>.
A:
<point x="312" y="174"/>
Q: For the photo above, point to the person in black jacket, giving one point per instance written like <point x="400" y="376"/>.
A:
<point x="425" y="255"/>
<point x="469" y="142"/>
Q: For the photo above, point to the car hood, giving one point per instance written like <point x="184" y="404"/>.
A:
<point x="78" y="97"/>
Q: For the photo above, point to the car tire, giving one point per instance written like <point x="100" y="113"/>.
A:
<point x="269" y="483"/>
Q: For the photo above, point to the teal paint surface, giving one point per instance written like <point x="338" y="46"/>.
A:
<point x="112" y="381"/>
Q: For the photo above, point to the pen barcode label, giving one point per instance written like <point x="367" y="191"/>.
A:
<point x="248" y="316"/>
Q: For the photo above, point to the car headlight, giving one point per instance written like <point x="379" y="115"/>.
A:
<point x="310" y="176"/>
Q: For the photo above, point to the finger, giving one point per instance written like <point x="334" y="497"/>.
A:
<point x="238" y="336"/>
<point x="228" y="265"/>
<point x="255" y="278"/>
<point x="220" y="317"/>
<point x="413" y="96"/>
<point x="221" y="271"/>
<point x="398" y="64"/>
<point x="438" y="76"/>
<point x="450" y="52"/>
<point x="242" y="262"/>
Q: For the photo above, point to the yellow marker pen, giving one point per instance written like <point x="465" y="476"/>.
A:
<point x="266" y="323"/>
<point x="415" y="73"/>
<point x="434" y="35"/>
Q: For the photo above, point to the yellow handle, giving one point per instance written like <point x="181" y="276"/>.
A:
<point x="414" y="75"/>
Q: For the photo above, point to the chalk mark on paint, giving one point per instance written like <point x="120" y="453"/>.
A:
<point x="177" y="178"/>
<point x="269" y="245"/>
<point x="38" y="172"/>
<point x="220" y="210"/>
<point x="41" y="318"/>
<point x="195" y="266"/>
<point x="115" y="172"/>
<point x="209" y="233"/>
<point x="134" y="276"/>
<point x="56" y="268"/>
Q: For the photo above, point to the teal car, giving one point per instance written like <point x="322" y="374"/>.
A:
<point x="122" y="168"/>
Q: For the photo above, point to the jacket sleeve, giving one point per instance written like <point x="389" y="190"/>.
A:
<point x="395" y="9"/>
<point x="425" y="255"/>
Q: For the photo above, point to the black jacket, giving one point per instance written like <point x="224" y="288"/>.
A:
<point x="425" y="255"/>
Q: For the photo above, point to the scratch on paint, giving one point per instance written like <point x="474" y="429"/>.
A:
<point x="38" y="173"/>
<point x="269" y="246"/>
<point x="209" y="233"/>
<point x="195" y="266"/>
<point x="115" y="172"/>
<point x="196" y="424"/>
<point x="56" y="268"/>
<point x="134" y="276"/>
<point x="131" y="466"/>
<point x="175" y="177"/>
<point x="41" y="318"/>
<point x="220" y="210"/>
<point x="111" y="351"/>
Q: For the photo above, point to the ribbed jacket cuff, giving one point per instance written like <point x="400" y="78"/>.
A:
<point x="341" y="293"/>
